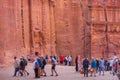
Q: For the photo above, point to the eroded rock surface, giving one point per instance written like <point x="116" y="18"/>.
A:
<point x="68" y="27"/>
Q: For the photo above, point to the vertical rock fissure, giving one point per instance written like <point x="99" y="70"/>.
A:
<point x="83" y="14"/>
<point x="106" y="28"/>
<point x="30" y="25"/>
<point x="106" y="31"/>
<point x="17" y="28"/>
<point x="50" y="8"/>
<point x="54" y="16"/>
<point x="66" y="20"/>
<point x="87" y="29"/>
<point x="43" y="26"/>
<point x="22" y="24"/>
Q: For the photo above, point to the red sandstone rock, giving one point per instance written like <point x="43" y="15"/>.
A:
<point x="63" y="27"/>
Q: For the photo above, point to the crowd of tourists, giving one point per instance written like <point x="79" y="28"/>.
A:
<point x="20" y="66"/>
<point x="84" y="66"/>
<point x="65" y="60"/>
<point x="94" y="66"/>
<point x="39" y="64"/>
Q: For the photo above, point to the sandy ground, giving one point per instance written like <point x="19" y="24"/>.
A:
<point x="65" y="73"/>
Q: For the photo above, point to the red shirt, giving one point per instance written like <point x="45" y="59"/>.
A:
<point x="61" y="58"/>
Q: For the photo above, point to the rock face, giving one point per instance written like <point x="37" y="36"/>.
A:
<point x="105" y="28"/>
<point x="68" y="27"/>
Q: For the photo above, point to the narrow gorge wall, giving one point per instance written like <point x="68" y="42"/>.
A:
<point x="67" y="27"/>
<point x="105" y="28"/>
<point x="14" y="29"/>
<point x="26" y="26"/>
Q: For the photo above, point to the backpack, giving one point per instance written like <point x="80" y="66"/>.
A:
<point x="44" y="62"/>
<point x="39" y="62"/>
<point x="22" y="64"/>
<point x="36" y="64"/>
<point x="54" y="60"/>
<point x="25" y="62"/>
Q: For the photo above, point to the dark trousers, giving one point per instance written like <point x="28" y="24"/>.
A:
<point x="76" y="67"/>
<point x="16" y="70"/>
<point x="69" y="63"/>
<point x="65" y="62"/>
<point x="61" y="62"/>
<point x="36" y="72"/>
<point x="86" y="72"/>
<point x="97" y="68"/>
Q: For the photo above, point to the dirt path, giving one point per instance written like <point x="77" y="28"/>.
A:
<point x="65" y="73"/>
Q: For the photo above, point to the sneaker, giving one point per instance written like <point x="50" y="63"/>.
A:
<point x="56" y="74"/>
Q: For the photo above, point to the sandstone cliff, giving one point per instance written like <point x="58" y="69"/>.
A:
<point x="68" y="27"/>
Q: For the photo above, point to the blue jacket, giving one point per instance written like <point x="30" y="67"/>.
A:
<point x="102" y="63"/>
<point x="93" y="64"/>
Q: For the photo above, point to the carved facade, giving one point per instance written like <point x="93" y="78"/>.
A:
<point x="105" y="24"/>
<point x="68" y="27"/>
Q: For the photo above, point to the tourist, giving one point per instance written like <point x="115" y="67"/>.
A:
<point x="108" y="65"/>
<point x="43" y="66"/>
<point x="106" y="62"/>
<point x="79" y="63"/>
<point x="38" y="58"/>
<point x="69" y="60"/>
<point x="111" y="65"/>
<point x="65" y="60"/>
<point x="16" y="65"/>
<point x="54" y="62"/>
<point x="94" y="66"/>
<point x="36" y="68"/>
<point x="23" y="64"/>
<point x="102" y="67"/>
<point x="118" y="71"/>
<point x="97" y="63"/>
<point x="85" y="66"/>
<point x="115" y="66"/>
<point x="76" y="63"/>
<point x="61" y="58"/>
